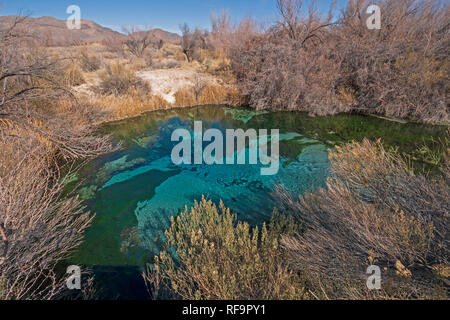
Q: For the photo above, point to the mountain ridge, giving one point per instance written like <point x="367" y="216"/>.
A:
<point x="54" y="32"/>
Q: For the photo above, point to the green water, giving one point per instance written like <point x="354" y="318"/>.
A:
<point x="134" y="191"/>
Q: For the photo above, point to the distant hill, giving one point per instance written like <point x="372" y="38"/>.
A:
<point x="54" y="32"/>
<point x="161" y="34"/>
<point x="166" y="36"/>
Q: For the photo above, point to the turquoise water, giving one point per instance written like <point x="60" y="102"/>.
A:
<point x="136" y="190"/>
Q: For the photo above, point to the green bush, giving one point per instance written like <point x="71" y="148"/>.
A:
<point x="218" y="257"/>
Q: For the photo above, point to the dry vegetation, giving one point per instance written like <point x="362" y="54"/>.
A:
<point x="375" y="210"/>
<point x="316" y="63"/>
<point x="42" y="128"/>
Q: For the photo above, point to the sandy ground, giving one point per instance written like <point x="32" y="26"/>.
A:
<point x="166" y="83"/>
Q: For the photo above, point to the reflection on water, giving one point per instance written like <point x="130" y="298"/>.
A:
<point x="135" y="191"/>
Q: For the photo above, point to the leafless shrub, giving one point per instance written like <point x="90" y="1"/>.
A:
<point x="199" y="84"/>
<point x="373" y="211"/>
<point x="192" y="41"/>
<point x="310" y="62"/>
<point x="166" y="64"/>
<point x="153" y="281"/>
<point x="401" y="69"/>
<point x="114" y="45"/>
<point x="281" y="69"/>
<point x="38" y="227"/>
<point x="138" y="40"/>
<point x="89" y="62"/>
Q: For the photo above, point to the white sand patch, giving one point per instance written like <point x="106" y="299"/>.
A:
<point x="166" y="83"/>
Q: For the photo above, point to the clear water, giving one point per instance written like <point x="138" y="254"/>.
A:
<point x="135" y="190"/>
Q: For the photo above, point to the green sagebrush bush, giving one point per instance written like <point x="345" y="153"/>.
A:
<point x="218" y="257"/>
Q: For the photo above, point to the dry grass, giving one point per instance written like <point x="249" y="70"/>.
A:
<point x="121" y="107"/>
<point x="185" y="97"/>
<point x="210" y="94"/>
<point x="88" y="62"/>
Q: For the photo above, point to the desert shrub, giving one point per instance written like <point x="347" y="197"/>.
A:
<point x="41" y="127"/>
<point x="70" y="74"/>
<point x="375" y="210"/>
<point x="114" y="45"/>
<point x="166" y="64"/>
<point x="323" y="66"/>
<point x="117" y="79"/>
<point x="401" y="69"/>
<point x="171" y="64"/>
<point x="89" y="63"/>
<point x="218" y="257"/>
<point x="38" y="228"/>
<point x="138" y="41"/>
<point x="192" y="42"/>
<point x="283" y="69"/>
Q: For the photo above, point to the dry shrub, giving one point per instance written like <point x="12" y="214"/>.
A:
<point x="282" y="69"/>
<point x="401" y="70"/>
<point x="322" y="66"/>
<point x="375" y="210"/>
<point x="218" y="257"/>
<point x="38" y="227"/>
<point x="114" y="45"/>
<point x="192" y="42"/>
<point x="118" y="79"/>
<point x="166" y="64"/>
<point x="89" y="63"/>
<point x="71" y="74"/>
<point x="139" y="40"/>
<point x="41" y="125"/>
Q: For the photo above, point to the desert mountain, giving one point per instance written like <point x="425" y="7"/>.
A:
<point x="54" y="32"/>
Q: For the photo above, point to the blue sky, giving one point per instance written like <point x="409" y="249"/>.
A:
<point x="165" y="14"/>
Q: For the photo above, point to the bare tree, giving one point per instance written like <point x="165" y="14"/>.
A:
<point x="191" y="41"/>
